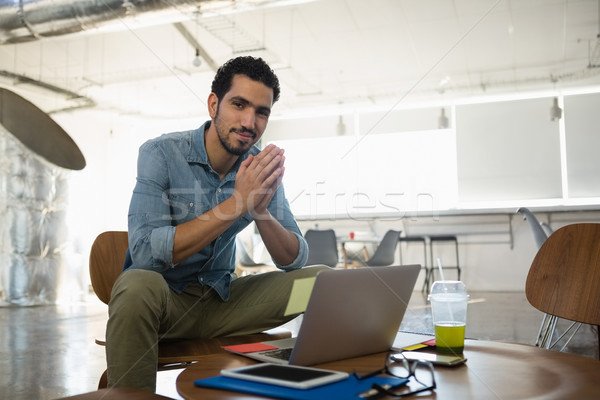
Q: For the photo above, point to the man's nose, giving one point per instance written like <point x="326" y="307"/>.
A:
<point x="248" y="119"/>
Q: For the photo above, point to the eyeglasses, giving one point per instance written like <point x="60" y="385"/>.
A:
<point x="398" y="366"/>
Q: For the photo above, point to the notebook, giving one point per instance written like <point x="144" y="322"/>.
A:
<point x="351" y="313"/>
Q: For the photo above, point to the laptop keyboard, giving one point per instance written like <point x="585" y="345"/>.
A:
<point x="282" y="354"/>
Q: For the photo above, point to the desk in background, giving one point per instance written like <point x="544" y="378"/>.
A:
<point x="494" y="370"/>
<point x="364" y="242"/>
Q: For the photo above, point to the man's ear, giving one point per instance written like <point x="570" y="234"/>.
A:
<point x="213" y="105"/>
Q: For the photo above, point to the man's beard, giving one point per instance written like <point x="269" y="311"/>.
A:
<point x="227" y="145"/>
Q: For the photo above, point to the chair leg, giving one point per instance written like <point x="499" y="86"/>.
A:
<point x="426" y="283"/>
<point x="541" y="331"/>
<point x="103" y="383"/>
<point x="457" y="262"/>
<point x="598" y="329"/>
<point x="576" y="326"/>
<point x="424" y="266"/>
<point x="425" y="287"/>
<point x="444" y="239"/>
<point x="548" y="333"/>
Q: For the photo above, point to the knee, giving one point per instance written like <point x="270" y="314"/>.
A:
<point x="310" y="271"/>
<point x="138" y="284"/>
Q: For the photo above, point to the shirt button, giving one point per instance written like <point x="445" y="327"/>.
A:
<point x="191" y="204"/>
<point x="219" y="190"/>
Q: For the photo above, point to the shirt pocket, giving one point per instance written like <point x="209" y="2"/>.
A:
<point x="185" y="206"/>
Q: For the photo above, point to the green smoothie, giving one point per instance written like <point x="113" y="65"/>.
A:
<point x="450" y="337"/>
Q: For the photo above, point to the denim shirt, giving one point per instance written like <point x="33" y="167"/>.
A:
<point x="175" y="184"/>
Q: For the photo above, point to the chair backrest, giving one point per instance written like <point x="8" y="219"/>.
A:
<point x="243" y="255"/>
<point x="107" y="256"/>
<point x="539" y="234"/>
<point x="322" y="247"/>
<point x="384" y="254"/>
<point x="547" y="228"/>
<point x="564" y="278"/>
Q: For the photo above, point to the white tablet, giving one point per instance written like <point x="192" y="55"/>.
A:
<point x="285" y="375"/>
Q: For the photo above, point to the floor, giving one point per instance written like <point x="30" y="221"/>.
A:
<point x="48" y="352"/>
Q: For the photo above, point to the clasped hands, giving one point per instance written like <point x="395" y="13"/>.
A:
<point x="257" y="180"/>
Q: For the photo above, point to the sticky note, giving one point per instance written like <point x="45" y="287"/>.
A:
<point x="427" y="343"/>
<point x="249" y="347"/>
<point x="299" y="295"/>
<point x="415" y="347"/>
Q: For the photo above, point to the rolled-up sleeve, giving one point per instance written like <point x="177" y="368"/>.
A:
<point x="151" y="233"/>
<point x="300" y="261"/>
<point x="161" y="244"/>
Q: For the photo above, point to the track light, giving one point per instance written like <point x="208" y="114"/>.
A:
<point x="443" y="122"/>
<point x="197" y="61"/>
<point x="555" y="110"/>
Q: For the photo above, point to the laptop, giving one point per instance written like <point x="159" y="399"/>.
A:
<point x="351" y="313"/>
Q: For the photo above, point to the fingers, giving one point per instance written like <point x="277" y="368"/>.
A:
<point x="261" y="200"/>
<point x="264" y="173"/>
<point x="266" y="164"/>
<point x="270" y="155"/>
<point x="261" y="171"/>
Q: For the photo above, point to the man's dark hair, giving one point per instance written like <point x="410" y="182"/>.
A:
<point x="254" y="68"/>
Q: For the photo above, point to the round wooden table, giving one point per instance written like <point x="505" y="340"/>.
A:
<point x="494" y="370"/>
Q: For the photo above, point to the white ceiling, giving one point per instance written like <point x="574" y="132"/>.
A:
<point x="326" y="53"/>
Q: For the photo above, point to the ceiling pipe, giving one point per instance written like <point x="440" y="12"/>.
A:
<point x="22" y="21"/>
<point x="27" y="20"/>
<point x="80" y="100"/>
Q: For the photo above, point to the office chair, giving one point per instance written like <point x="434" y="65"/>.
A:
<point x="540" y="231"/>
<point x="322" y="247"/>
<point x="384" y="254"/>
<point x="564" y="278"/>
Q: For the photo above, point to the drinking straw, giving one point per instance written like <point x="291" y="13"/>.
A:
<point x="439" y="263"/>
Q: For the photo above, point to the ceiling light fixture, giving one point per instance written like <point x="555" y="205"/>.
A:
<point x="444" y="84"/>
<point x="341" y="126"/>
<point x="443" y="122"/>
<point x="555" y="110"/>
<point x="197" y="61"/>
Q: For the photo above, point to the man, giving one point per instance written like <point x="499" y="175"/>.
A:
<point x="194" y="192"/>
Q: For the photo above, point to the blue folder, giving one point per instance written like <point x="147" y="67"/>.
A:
<point x="348" y="388"/>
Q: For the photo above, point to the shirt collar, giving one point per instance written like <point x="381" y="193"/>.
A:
<point x="197" y="152"/>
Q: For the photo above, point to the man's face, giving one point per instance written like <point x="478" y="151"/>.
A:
<point x="241" y="116"/>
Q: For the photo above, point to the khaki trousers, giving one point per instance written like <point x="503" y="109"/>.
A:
<point x="143" y="310"/>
